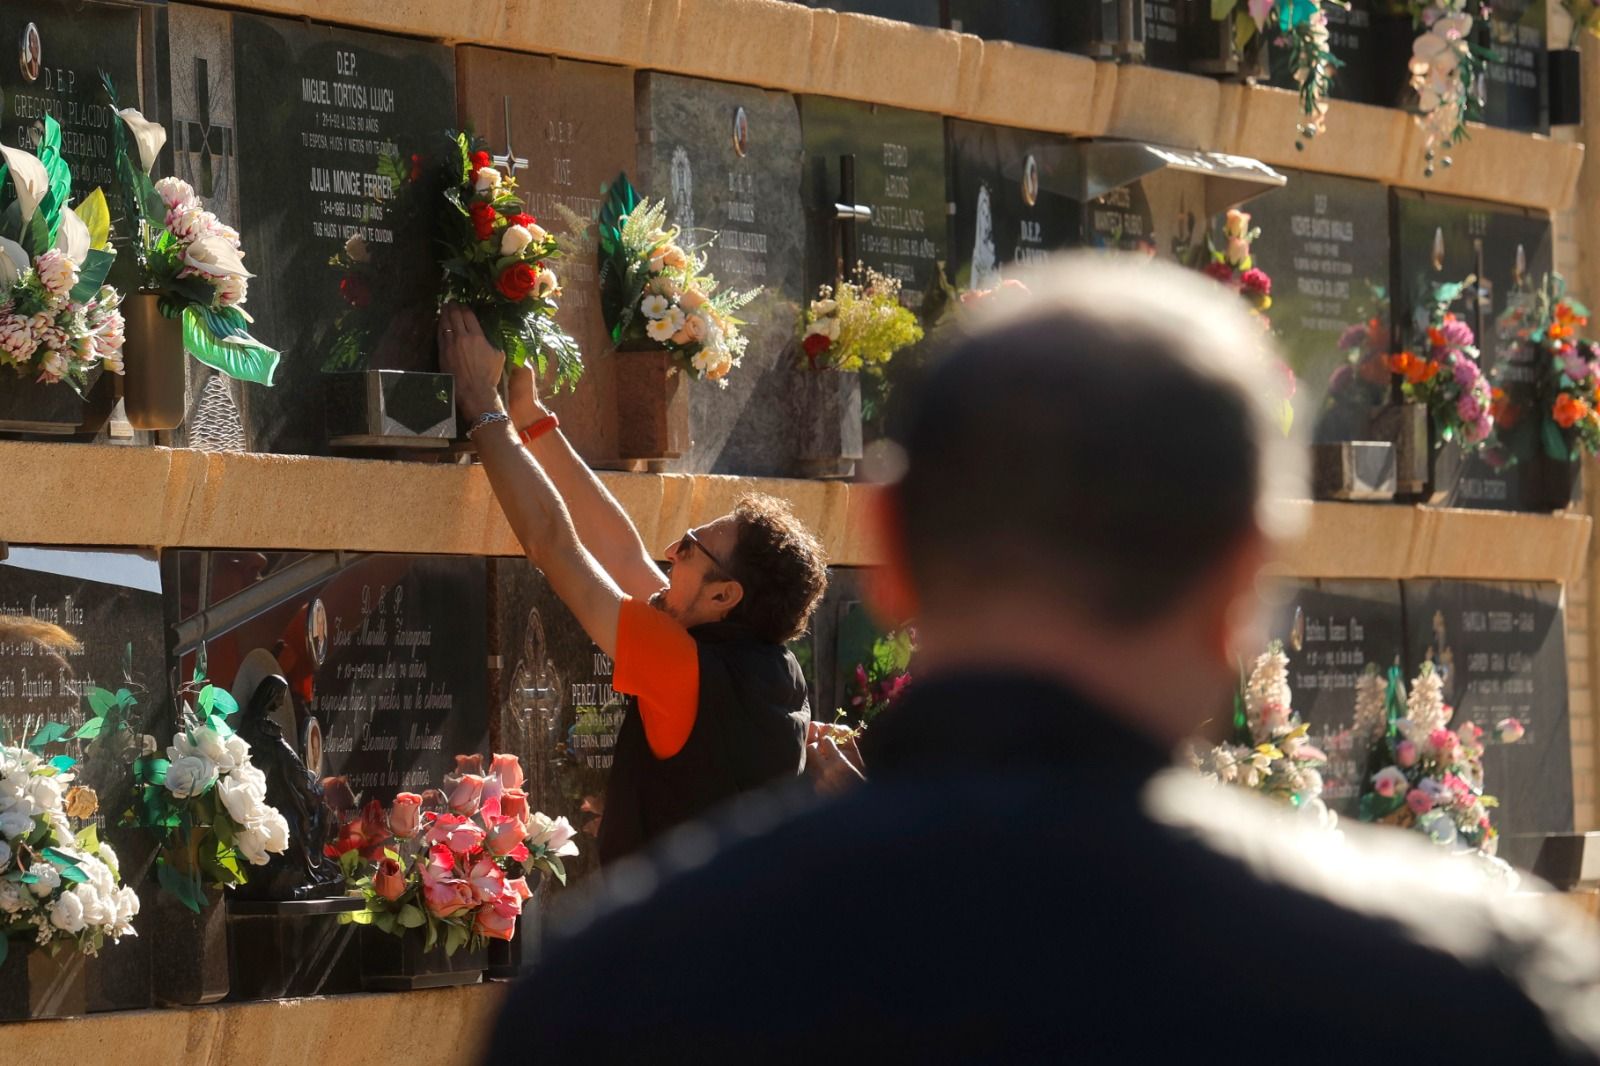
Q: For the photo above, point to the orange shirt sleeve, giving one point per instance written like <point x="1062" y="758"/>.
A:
<point x="657" y="661"/>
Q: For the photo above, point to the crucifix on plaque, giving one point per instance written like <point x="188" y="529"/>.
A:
<point x="847" y="213"/>
<point x="510" y="162"/>
<point x="212" y="143"/>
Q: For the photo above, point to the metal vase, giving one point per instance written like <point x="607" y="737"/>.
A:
<point x="828" y="417"/>
<point x="155" y="364"/>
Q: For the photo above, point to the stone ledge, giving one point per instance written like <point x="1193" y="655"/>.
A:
<point x="787" y="46"/>
<point x="77" y="494"/>
<point x="363" y="1030"/>
<point x="855" y="56"/>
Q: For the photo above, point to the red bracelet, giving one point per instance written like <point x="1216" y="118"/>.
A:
<point x="540" y="428"/>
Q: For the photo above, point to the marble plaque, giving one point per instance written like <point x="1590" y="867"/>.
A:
<point x="573" y="123"/>
<point x="899" y="174"/>
<point x="1517" y="83"/>
<point x="1508" y="250"/>
<point x="385" y="654"/>
<point x="727" y="158"/>
<point x="554" y="707"/>
<point x="1502" y="651"/>
<point x="1352" y="37"/>
<point x="1012" y="207"/>
<point x="344" y="132"/>
<point x="110" y="603"/>
<point x="1332" y="631"/>
<point x="54" y="55"/>
<point x="1325" y="243"/>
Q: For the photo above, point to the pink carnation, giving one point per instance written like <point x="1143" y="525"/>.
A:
<point x="1419" y="801"/>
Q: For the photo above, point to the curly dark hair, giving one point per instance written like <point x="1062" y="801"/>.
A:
<point x="782" y="567"/>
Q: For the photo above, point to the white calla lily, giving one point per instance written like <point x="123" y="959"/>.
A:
<point x="73" y="238"/>
<point x="149" y="136"/>
<point x="13" y="261"/>
<point x="28" y="177"/>
<point x="215" y="258"/>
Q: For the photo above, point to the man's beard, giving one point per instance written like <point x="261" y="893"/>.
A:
<point x="658" y="600"/>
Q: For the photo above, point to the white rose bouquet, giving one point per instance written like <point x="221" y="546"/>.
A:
<point x="187" y="256"/>
<point x="59" y="320"/>
<point x="57" y="882"/>
<point x="654" y="290"/>
<point x="205" y="802"/>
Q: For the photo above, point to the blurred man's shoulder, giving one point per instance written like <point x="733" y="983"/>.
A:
<point x="953" y="905"/>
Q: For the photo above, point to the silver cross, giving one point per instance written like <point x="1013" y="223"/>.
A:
<point x="509" y="162"/>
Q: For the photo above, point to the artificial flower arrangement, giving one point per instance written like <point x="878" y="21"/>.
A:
<point x="1423" y="775"/>
<point x="1566" y="368"/>
<point x="654" y="289"/>
<point x="1303" y="27"/>
<point x="881" y="682"/>
<point x="59" y="321"/>
<point x="858" y="325"/>
<point x="1440" y="370"/>
<point x="58" y="882"/>
<point x="1447" y="70"/>
<point x="1269" y="752"/>
<point x="461" y="874"/>
<point x="497" y="261"/>
<point x="205" y="802"/>
<point x="1234" y="265"/>
<point x="186" y="256"/>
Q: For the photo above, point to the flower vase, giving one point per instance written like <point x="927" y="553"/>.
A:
<point x="510" y="959"/>
<point x="1444" y="469"/>
<point x="33" y="408"/>
<point x="36" y="983"/>
<point x="392" y="963"/>
<point x="193" y="966"/>
<point x="828" y="418"/>
<point x="154" y="381"/>
<point x="652" y="404"/>
<point x="1408" y="427"/>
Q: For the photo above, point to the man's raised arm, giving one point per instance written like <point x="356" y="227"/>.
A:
<point x="528" y="497"/>
<point x="602" y="524"/>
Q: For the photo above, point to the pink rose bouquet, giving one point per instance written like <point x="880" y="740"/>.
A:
<point x="457" y="870"/>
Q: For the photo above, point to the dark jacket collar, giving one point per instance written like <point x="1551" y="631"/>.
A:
<point x="992" y="721"/>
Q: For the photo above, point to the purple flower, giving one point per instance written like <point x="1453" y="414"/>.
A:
<point x="1469" y="410"/>
<point x="1466" y="372"/>
<point x="1574" y="365"/>
<point x="1353" y="337"/>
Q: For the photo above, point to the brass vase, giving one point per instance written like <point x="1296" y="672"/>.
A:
<point x="154" y="364"/>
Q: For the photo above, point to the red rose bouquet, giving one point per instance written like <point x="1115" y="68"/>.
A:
<point x="497" y="260"/>
<point x="459" y="873"/>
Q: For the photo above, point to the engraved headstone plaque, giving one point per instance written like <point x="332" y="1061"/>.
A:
<point x="384" y="654"/>
<point x="574" y="124"/>
<point x="344" y="129"/>
<point x="1012" y="203"/>
<point x="1517" y="83"/>
<point x="1332" y="632"/>
<point x="1352" y="37"/>
<point x="727" y="159"/>
<point x="1502" y="651"/>
<point x="52" y="56"/>
<point x="899" y="173"/>
<point x="1507" y="249"/>
<point x="554" y="707"/>
<point x="1325" y="243"/>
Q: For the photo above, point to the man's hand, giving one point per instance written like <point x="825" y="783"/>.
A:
<point x="466" y="354"/>
<point x="833" y="762"/>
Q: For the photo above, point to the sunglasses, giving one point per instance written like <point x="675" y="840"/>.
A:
<point x="691" y="542"/>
